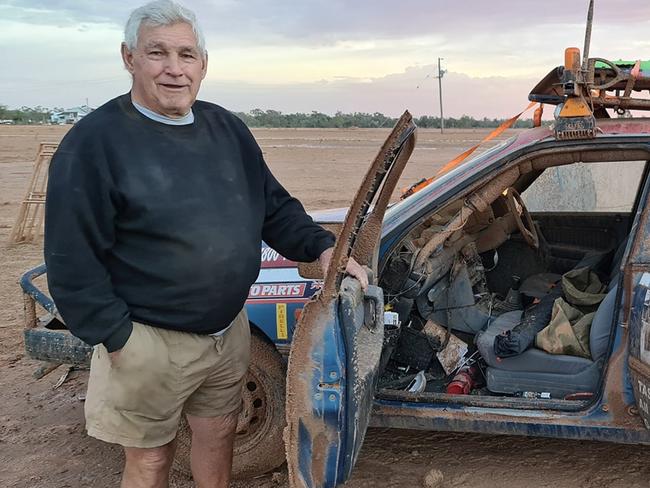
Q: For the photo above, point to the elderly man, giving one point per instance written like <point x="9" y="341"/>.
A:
<point x="157" y="206"/>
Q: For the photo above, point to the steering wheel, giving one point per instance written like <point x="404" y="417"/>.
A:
<point x="522" y="218"/>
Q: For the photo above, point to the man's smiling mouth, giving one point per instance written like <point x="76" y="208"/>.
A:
<point x="171" y="86"/>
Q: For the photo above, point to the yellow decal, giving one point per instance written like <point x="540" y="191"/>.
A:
<point x="281" y="320"/>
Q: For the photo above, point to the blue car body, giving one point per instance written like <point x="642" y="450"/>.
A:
<point x="618" y="413"/>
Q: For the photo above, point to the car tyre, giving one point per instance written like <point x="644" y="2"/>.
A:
<point x="258" y="439"/>
<point x="58" y="346"/>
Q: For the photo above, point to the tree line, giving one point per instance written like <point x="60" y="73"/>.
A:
<point x="340" y="120"/>
<point x="277" y="119"/>
<point x="26" y="115"/>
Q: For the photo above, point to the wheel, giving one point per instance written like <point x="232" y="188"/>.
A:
<point x="259" y="446"/>
<point x="58" y="346"/>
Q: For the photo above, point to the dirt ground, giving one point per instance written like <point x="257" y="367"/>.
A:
<point x="42" y="440"/>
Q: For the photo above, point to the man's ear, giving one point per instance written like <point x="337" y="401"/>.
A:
<point x="127" y="58"/>
<point x="204" y="71"/>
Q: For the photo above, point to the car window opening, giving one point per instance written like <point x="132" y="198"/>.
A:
<point x="469" y="289"/>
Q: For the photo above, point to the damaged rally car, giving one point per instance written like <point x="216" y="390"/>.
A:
<point x="510" y="295"/>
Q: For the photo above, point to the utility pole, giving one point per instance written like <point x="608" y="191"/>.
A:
<point x="441" y="73"/>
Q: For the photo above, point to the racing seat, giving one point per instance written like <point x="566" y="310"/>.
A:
<point x="538" y="371"/>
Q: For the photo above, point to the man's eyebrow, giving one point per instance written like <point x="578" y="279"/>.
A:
<point x="154" y="44"/>
<point x="162" y="45"/>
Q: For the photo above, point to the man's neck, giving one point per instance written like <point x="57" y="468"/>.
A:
<point x="186" y="119"/>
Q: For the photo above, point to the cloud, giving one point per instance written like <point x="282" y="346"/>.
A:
<point x="411" y="89"/>
<point x="322" y="54"/>
<point x="329" y="21"/>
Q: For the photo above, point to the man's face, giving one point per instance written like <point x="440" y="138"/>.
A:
<point x="167" y="68"/>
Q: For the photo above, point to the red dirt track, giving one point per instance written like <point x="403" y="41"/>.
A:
<point x="42" y="439"/>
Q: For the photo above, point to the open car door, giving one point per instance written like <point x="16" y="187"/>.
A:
<point x="337" y="343"/>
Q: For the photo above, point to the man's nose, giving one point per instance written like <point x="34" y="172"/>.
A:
<point x="173" y="65"/>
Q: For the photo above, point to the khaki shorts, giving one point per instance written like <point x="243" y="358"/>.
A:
<point x="137" y="401"/>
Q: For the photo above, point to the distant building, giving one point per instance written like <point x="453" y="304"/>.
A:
<point x="71" y="115"/>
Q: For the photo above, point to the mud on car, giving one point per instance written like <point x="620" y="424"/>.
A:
<point x="465" y="274"/>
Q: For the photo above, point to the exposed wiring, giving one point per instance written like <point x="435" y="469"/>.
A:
<point x="482" y="370"/>
<point x="466" y="361"/>
<point x="403" y="292"/>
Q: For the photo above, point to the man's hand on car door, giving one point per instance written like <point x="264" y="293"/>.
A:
<point x="353" y="268"/>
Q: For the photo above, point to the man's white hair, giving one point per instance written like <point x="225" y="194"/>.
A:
<point x="160" y="13"/>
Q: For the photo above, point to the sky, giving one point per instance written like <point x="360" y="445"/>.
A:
<point x="323" y="55"/>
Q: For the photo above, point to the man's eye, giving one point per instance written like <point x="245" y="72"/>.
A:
<point x="155" y="53"/>
<point x="188" y="56"/>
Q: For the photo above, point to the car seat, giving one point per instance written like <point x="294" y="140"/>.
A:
<point x="538" y="371"/>
<point x="539" y="284"/>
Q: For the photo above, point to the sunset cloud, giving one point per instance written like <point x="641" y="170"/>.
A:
<point x="324" y="55"/>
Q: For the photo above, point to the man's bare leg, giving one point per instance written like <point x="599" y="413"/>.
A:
<point x="212" y="444"/>
<point x="148" y="468"/>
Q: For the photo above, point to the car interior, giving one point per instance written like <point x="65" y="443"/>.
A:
<point x="486" y="270"/>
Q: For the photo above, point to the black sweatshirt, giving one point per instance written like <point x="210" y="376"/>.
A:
<point x="163" y="224"/>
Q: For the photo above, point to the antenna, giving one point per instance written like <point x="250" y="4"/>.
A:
<point x="585" y="51"/>
<point x="575" y="119"/>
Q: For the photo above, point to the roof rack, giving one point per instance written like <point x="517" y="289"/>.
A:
<point x="584" y="88"/>
<point x="610" y="84"/>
